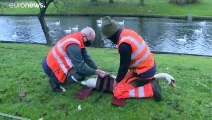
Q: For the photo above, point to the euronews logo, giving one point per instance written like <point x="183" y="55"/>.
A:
<point x="14" y="4"/>
<point x="26" y="5"/>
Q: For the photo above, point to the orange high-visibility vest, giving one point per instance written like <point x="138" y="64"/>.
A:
<point x="125" y="90"/>
<point x="141" y="57"/>
<point x="57" y="58"/>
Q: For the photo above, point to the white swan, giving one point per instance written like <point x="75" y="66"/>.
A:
<point x="184" y="39"/>
<point x="202" y="23"/>
<point x="166" y="77"/>
<point x="99" y="25"/>
<point x="68" y="31"/>
<point x="198" y="31"/>
<point x="99" y="21"/>
<point x="75" y="29"/>
<point x="14" y="36"/>
<point x="121" y="23"/>
<point x="57" y="23"/>
<point x="92" y="81"/>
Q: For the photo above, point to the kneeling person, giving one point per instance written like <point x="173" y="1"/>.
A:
<point x="136" y="57"/>
<point x="68" y="61"/>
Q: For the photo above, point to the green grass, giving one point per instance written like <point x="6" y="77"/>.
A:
<point x="162" y="7"/>
<point x="152" y="7"/>
<point x="20" y="68"/>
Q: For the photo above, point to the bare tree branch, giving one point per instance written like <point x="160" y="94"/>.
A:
<point x="55" y="5"/>
<point x="49" y="2"/>
<point x="38" y="3"/>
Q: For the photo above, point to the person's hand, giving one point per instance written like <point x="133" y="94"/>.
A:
<point x="101" y="73"/>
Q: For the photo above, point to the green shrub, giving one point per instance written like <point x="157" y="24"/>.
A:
<point x="183" y="2"/>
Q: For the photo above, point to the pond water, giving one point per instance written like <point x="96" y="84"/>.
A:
<point x="161" y="34"/>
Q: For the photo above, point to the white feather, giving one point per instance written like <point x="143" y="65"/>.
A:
<point x="79" y="107"/>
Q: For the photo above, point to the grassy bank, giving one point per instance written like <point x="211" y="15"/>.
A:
<point x="152" y="7"/>
<point x="21" y="72"/>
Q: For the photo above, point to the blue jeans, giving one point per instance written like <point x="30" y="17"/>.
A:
<point x="149" y="73"/>
<point x="52" y="76"/>
<point x="49" y="72"/>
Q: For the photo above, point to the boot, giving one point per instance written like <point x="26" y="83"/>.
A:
<point x="156" y="90"/>
<point x="55" y="87"/>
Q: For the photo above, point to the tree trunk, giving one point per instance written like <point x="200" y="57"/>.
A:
<point x="142" y="2"/>
<point x="43" y="22"/>
<point x="45" y="27"/>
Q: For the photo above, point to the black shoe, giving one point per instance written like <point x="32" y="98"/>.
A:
<point x="156" y="90"/>
<point x="55" y="87"/>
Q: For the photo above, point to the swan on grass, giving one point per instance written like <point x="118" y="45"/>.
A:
<point x="165" y="76"/>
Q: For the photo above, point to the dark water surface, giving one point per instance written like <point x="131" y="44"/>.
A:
<point x="161" y="34"/>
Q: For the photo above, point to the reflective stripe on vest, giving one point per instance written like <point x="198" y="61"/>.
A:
<point x="63" y="53"/>
<point x="140" y="59"/>
<point x="139" y="50"/>
<point x="140" y="92"/>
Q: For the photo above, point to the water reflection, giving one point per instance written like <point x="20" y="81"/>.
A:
<point x="161" y="34"/>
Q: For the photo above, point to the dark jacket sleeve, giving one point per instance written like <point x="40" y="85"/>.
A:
<point x="125" y="51"/>
<point x="88" y="59"/>
<point x="74" y="53"/>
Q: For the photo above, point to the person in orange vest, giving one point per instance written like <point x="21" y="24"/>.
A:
<point x="68" y="61"/>
<point x="137" y="66"/>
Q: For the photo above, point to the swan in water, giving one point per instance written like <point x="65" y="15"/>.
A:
<point x="121" y="23"/>
<point x="99" y="22"/>
<point x="183" y="39"/>
<point x="68" y="31"/>
<point x="57" y="23"/>
<point x="99" y="25"/>
<point x="14" y="36"/>
<point x="202" y="23"/>
<point x="198" y="31"/>
<point x="75" y="29"/>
